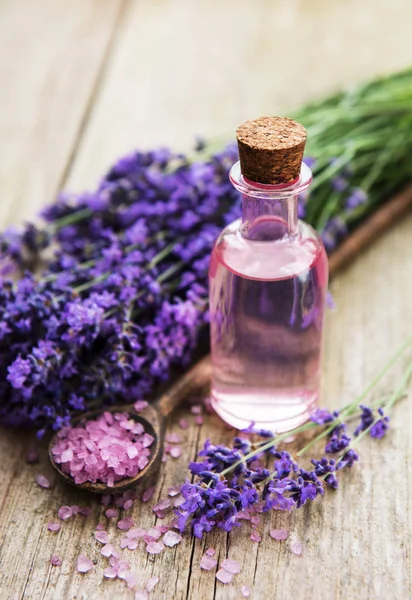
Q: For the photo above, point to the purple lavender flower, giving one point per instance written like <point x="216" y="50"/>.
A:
<point x="366" y="419"/>
<point x="321" y="416"/>
<point x="357" y="198"/>
<point x="379" y="429"/>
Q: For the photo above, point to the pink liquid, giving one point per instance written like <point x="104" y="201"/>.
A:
<point x="267" y="301"/>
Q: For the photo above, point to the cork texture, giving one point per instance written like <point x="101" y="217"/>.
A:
<point x="271" y="149"/>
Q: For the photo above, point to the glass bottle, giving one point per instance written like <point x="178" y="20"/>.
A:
<point x="268" y="280"/>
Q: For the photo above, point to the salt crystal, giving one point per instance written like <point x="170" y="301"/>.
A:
<point x="154" y="532"/>
<point x="210" y="552"/>
<point x="289" y="439"/>
<point x="102" y="537"/>
<point x="196" y="409"/>
<point x="129" y="577"/>
<point x="207" y="563"/>
<point x="243" y="514"/>
<point x="173" y="438"/>
<point x="85" y="511"/>
<point x="171" y="539"/>
<point x="245" y="591"/>
<point x="42" y="481"/>
<point x="108" y="550"/>
<point x="151" y="583"/>
<point x="255" y="520"/>
<point x="32" y="457"/>
<point x="128" y="504"/>
<point x="224" y="576"/>
<point x="84" y="564"/>
<point x="199" y="420"/>
<point x="278" y="534"/>
<point x="147" y="440"/>
<point x="296" y="548"/>
<point x="55" y="561"/>
<point x="148" y="494"/>
<point x="140" y="405"/>
<point x="112" y="513"/>
<point x="149" y="538"/>
<point x="65" y="512"/>
<point x="125" y="524"/>
<point x="183" y="424"/>
<point x="55" y="527"/>
<point x="231" y="566"/>
<point x="165" y="503"/>
<point x="255" y="536"/>
<point x="110" y="572"/>
<point x="141" y="595"/>
<point x="106" y="499"/>
<point x="173" y="491"/>
<point x="138" y="532"/>
<point x="99" y="527"/>
<point x="176" y="451"/>
<point x="132" y="544"/>
<point x="66" y="455"/>
<point x="154" y="547"/>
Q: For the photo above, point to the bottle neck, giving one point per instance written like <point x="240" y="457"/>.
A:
<point x="269" y="212"/>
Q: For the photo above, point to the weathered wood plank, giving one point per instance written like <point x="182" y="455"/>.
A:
<point x="180" y="68"/>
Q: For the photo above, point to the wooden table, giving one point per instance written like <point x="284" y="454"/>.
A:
<point x="85" y="81"/>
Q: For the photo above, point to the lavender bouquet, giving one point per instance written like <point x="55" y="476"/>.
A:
<point x="105" y="299"/>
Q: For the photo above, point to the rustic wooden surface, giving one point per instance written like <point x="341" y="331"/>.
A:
<point x="83" y="81"/>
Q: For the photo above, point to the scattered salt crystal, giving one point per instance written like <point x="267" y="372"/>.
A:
<point x="140" y="405"/>
<point x="108" y="550"/>
<point x="148" y="494"/>
<point x="32" y="457"/>
<point x="165" y="503"/>
<point x="99" y="527"/>
<point x="296" y="548"/>
<point x="179" y="501"/>
<point x="125" y="524"/>
<point x="106" y="499"/>
<point x="84" y="564"/>
<point x="85" y="511"/>
<point x="210" y="552"/>
<point x="147" y="440"/>
<point x="75" y="509"/>
<point x="132" y="544"/>
<point x="289" y="439"/>
<point x="141" y="595"/>
<point x="164" y="457"/>
<point x="129" y="577"/>
<point x="154" y="547"/>
<point x="110" y="572"/>
<point x="173" y="438"/>
<point x="278" y="534"/>
<point x="151" y="583"/>
<point x="154" y="532"/>
<point x="65" y="512"/>
<point x="138" y="532"/>
<point x="172" y="538"/>
<point x="243" y="514"/>
<point x="207" y="563"/>
<point x="55" y="527"/>
<point x="255" y="536"/>
<point x="176" y="451"/>
<point x="101" y="536"/>
<point x="196" y="409"/>
<point x="231" y="566"/>
<point x="149" y="538"/>
<point x="55" y="561"/>
<point x="183" y="423"/>
<point x="112" y="513"/>
<point x="128" y="504"/>
<point x="245" y="591"/>
<point x="173" y="491"/>
<point x="199" y="420"/>
<point x="255" y="520"/>
<point x="224" y="576"/>
<point x="42" y="481"/>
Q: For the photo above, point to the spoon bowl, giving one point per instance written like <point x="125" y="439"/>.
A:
<point x="153" y="418"/>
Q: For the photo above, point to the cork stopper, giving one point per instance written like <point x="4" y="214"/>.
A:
<point x="271" y="149"/>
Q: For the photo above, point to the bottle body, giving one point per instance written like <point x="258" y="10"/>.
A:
<point x="268" y="281"/>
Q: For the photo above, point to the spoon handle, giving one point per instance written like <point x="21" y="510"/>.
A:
<point x="195" y="379"/>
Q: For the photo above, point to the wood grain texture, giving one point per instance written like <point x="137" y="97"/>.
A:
<point x="173" y="71"/>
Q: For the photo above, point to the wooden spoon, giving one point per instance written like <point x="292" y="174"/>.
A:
<point x="153" y="419"/>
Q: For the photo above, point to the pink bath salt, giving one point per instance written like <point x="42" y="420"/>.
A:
<point x="148" y="494"/>
<point x="154" y="532"/>
<point x="141" y="595"/>
<point x="99" y="527"/>
<point x="42" y="481"/>
<point x="196" y="409"/>
<point x="110" y="572"/>
<point x="223" y="576"/>
<point x="231" y="566"/>
<point x="65" y="512"/>
<point x="140" y="405"/>
<point x="55" y="527"/>
<point x="255" y="520"/>
<point x="108" y="550"/>
<point x="147" y="440"/>
<point x="101" y="536"/>
<point x="243" y="514"/>
<point x="155" y="547"/>
<point x="131" y="544"/>
<point x="112" y="513"/>
<point x="128" y="504"/>
<point x="245" y="591"/>
<point x="32" y="457"/>
<point x="183" y="423"/>
<point x="153" y="581"/>
<point x="135" y="533"/>
<point x="66" y="455"/>
<point x="129" y="577"/>
<point x="85" y="511"/>
<point x="173" y="491"/>
<point x="176" y="451"/>
<point x="84" y="564"/>
<point x="199" y="420"/>
<point x="207" y="563"/>
<point x="255" y="536"/>
<point x="210" y="552"/>
<point x="296" y="548"/>
<point x="106" y="499"/>
<point x="164" y="457"/>
<point x="149" y="538"/>
<point x="75" y="509"/>
<point x="162" y="505"/>
<point x="289" y="439"/>
<point x="278" y="534"/>
<point x="55" y="561"/>
<point x="179" y="501"/>
<point x="172" y="538"/>
<point x="114" y="562"/>
<point x="173" y="438"/>
<point x="125" y="524"/>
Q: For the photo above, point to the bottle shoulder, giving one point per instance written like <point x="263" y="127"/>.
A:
<point x="276" y="259"/>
